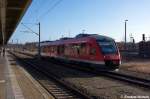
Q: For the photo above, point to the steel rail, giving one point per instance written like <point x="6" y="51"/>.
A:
<point x="127" y="78"/>
<point x="72" y="91"/>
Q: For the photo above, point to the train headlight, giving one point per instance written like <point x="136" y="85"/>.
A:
<point x="104" y="56"/>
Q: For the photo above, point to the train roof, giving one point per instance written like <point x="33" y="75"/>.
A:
<point x="102" y="37"/>
<point x="81" y="38"/>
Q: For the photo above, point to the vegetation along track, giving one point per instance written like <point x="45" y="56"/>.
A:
<point x="111" y="74"/>
<point x="55" y="86"/>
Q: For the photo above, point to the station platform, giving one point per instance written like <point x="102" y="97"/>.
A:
<point x="16" y="83"/>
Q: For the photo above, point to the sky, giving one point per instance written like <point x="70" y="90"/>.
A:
<point x="67" y="18"/>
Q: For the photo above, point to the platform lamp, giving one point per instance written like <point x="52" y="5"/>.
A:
<point x="125" y="46"/>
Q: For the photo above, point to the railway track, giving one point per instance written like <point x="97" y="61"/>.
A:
<point x="55" y="86"/>
<point x="127" y="78"/>
<point x="111" y="74"/>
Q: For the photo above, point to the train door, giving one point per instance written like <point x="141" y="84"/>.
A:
<point x="60" y="50"/>
<point x="83" y="51"/>
<point x="92" y="51"/>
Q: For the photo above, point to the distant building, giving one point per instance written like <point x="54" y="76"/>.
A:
<point x="129" y="46"/>
<point x="30" y="46"/>
<point x="144" y="48"/>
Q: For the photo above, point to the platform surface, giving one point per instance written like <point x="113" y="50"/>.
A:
<point x="16" y="83"/>
<point x="2" y="78"/>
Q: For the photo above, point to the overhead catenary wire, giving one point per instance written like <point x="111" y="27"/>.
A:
<point x="53" y="5"/>
<point x="35" y="11"/>
<point x="40" y="7"/>
<point x="50" y="9"/>
<point x="44" y="5"/>
<point x="37" y="7"/>
<point x="32" y="10"/>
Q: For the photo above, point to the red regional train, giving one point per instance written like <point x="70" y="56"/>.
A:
<point x="93" y="49"/>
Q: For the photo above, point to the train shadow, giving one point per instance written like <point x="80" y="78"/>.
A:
<point x="60" y="71"/>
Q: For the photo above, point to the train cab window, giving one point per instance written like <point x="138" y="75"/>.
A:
<point x="108" y="47"/>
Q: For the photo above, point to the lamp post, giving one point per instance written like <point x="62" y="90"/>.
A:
<point x="16" y="41"/>
<point x="39" y="36"/>
<point x="17" y="44"/>
<point x="125" y="34"/>
<point x="39" y="46"/>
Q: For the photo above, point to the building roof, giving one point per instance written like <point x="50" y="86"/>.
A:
<point x="11" y="12"/>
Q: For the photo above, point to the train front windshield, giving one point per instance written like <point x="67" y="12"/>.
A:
<point x="108" y="47"/>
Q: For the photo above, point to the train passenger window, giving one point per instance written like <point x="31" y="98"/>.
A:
<point x="83" y="45"/>
<point x="93" y="51"/>
<point x="83" y="50"/>
<point x="78" y="50"/>
<point x="62" y="48"/>
<point x="58" y="49"/>
<point x="67" y="49"/>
